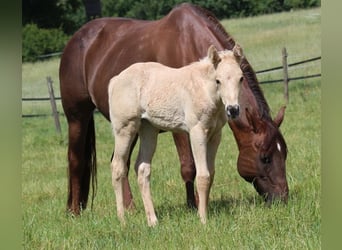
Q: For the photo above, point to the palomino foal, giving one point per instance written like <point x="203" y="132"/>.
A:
<point x="149" y="97"/>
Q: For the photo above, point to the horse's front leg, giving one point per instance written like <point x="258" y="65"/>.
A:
<point x="198" y="139"/>
<point x="148" y="141"/>
<point x="188" y="169"/>
<point x="124" y="137"/>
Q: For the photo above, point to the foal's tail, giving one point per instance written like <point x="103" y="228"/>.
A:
<point x="90" y="174"/>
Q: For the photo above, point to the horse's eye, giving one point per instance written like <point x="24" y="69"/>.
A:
<point x="265" y="159"/>
<point x="241" y="79"/>
<point x="218" y="81"/>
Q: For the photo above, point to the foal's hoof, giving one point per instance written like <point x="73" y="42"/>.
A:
<point x="122" y="221"/>
<point x="203" y="220"/>
<point x="152" y="222"/>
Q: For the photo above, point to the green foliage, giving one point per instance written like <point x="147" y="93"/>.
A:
<point x="38" y="41"/>
<point x="73" y="15"/>
<point x="68" y="16"/>
<point x="137" y="9"/>
<point x="44" y="13"/>
<point x="154" y="9"/>
<point x="296" y="4"/>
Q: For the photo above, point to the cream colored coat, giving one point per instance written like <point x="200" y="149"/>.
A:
<point x="149" y="97"/>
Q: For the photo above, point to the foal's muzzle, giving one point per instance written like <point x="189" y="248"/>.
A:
<point x="233" y="111"/>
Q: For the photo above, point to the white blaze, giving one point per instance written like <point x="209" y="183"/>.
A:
<point x="278" y="147"/>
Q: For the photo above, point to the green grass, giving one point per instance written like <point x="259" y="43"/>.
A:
<point x="238" y="218"/>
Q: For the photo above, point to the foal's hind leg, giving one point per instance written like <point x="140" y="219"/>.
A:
<point x="127" y="193"/>
<point x="148" y="141"/>
<point x="124" y="136"/>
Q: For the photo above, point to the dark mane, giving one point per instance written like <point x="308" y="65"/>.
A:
<point x="228" y="42"/>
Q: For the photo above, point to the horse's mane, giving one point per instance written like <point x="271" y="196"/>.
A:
<point x="228" y="43"/>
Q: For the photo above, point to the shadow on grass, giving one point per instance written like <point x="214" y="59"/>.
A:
<point x="224" y="205"/>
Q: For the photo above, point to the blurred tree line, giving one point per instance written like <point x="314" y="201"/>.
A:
<point x="48" y="24"/>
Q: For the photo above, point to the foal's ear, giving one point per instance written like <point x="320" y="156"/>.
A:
<point x="238" y="52"/>
<point x="213" y="56"/>
<point x="280" y="116"/>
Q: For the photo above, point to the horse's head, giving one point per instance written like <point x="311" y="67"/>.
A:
<point x="262" y="156"/>
<point x="228" y="77"/>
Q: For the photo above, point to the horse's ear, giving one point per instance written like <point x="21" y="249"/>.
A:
<point x="238" y="52"/>
<point x="213" y="56"/>
<point x="280" y="116"/>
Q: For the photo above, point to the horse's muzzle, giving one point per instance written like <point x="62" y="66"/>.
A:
<point x="233" y="111"/>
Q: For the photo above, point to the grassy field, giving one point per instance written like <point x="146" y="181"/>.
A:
<point x="238" y="218"/>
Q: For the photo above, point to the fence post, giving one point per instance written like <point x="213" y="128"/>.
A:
<point x="286" y="76"/>
<point x="53" y="104"/>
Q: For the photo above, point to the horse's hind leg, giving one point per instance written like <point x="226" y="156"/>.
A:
<point x="188" y="169"/>
<point x="124" y="136"/>
<point x="82" y="160"/>
<point x="148" y="141"/>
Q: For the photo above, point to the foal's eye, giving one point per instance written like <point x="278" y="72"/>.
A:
<point x="241" y="79"/>
<point x="218" y="81"/>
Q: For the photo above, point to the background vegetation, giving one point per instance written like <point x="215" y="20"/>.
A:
<point x="67" y="16"/>
<point x="237" y="216"/>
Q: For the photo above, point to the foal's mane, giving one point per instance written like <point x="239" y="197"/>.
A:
<point x="228" y="42"/>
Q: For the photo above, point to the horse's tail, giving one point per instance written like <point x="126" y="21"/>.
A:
<point x="90" y="174"/>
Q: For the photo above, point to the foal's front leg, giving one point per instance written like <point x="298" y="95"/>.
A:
<point x="148" y="141"/>
<point x="198" y="139"/>
<point x="212" y="147"/>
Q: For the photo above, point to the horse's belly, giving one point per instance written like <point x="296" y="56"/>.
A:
<point x="166" y="120"/>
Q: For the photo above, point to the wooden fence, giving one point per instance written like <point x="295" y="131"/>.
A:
<point x="52" y="98"/>
<point x="286" y="79"/>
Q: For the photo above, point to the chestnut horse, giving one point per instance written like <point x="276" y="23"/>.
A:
<point x="104" y="47"/>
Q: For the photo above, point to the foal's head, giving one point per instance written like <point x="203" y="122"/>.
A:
<point x="228" y="77"/>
